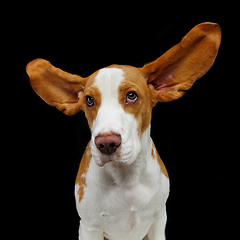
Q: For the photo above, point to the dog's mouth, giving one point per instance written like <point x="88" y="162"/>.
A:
<point x="115" y="157"/>
<point x="104" y="160"/>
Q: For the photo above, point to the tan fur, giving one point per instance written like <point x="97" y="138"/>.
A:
<point x="177" y="69"/>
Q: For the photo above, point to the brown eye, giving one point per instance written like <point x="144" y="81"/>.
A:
<point x="131" y="97"/>
<point x="90" y="101"/>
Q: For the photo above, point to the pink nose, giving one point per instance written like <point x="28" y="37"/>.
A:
<point x="108" y="144"/>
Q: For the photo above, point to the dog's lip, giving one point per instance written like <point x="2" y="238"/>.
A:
<point x="104" y="160"/>
<point x="102" y="164"/>
<point x="115" y="157"/>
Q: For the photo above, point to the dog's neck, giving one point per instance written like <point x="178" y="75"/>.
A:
<point x="130" y="175"/>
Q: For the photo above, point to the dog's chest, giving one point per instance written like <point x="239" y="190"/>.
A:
<point x="127" y="211"/>
<point x="121" y="209"/>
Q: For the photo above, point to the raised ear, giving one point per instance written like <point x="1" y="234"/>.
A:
<point x="174" y="72"/>
<point x="56" y="87"/>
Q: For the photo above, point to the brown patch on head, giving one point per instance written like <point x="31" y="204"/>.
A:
<point x="156" y="156"/>
<point x="135" y="82"/>
<point x="91" y="90"/>
<point x="82" y="171"/>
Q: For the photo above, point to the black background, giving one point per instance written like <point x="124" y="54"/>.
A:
<point x="190" y="133"/>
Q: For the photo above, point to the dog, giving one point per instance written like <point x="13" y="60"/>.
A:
<point x="122" y="184"/>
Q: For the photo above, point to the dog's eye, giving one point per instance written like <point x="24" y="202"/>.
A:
<point x="90" y="101"/>
<point x="132" y="97"/>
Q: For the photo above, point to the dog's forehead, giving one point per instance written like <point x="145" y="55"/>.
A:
<point x="109" y="79"/>
<point x="112" y="76"/>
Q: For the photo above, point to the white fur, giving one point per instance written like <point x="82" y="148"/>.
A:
<point x="125" y="197"/>
<point x="112" y="118"/>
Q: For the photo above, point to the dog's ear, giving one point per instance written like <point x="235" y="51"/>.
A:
<point x="56" y="87"/>
<point x="174" y="72"/>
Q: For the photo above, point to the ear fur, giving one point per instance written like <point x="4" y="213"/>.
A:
<point x="56" y="87"/>
<point x="174" y="72"/>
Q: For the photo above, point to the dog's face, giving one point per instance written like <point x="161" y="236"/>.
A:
<point x="117" y="104"/>
<point x="118" y="100"/>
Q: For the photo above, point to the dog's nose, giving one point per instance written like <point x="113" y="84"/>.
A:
<point x="108" y="144"/>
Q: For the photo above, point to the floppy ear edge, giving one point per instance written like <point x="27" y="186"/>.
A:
<point x="173" y="73"/>
<point x="55" y="86"/>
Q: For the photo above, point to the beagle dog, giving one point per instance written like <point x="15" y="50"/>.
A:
<point x="122" y="184"/>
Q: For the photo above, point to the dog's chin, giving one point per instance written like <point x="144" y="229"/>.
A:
<point x="117" y="157"/>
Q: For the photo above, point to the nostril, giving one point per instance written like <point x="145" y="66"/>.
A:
<point x="108" y="144"/>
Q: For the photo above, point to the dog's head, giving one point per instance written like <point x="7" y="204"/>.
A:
<point x="117" y="100"/>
